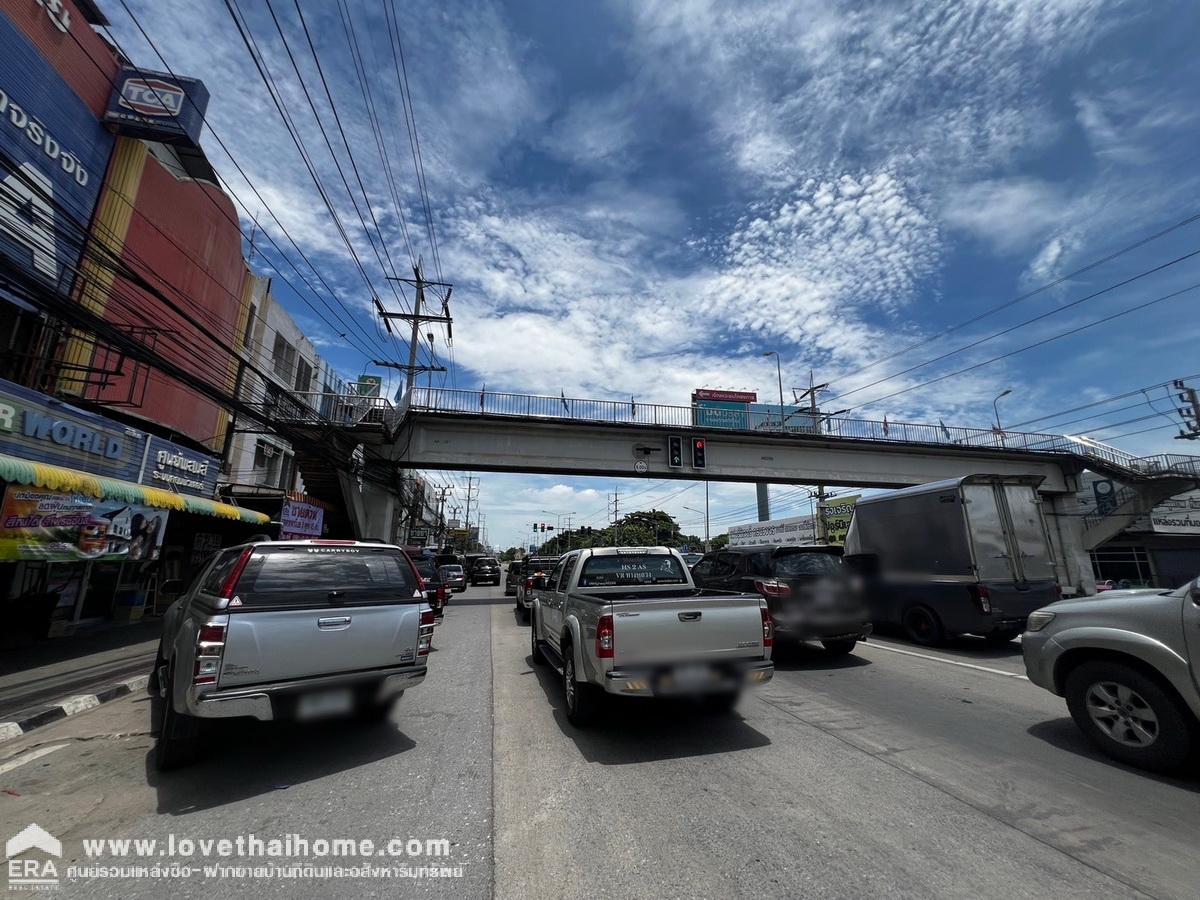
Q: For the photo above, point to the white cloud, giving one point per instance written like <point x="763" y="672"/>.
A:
<point x="1009" y="214"/>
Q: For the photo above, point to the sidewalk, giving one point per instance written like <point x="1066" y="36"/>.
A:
<point x="32" y="677"/>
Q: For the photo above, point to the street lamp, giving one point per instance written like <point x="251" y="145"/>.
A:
<point x="705" y="514"/>
<point x="779" y="375"/>
<point x="996" y="409"/>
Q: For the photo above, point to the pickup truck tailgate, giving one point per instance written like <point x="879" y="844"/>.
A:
<point x="311" y="610"/>
<point x="699" y="629"/>
<point x="278" y="645"/>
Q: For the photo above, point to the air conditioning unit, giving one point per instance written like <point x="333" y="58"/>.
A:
<point x="268" y="450"/>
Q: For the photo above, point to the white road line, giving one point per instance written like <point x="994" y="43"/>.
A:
<point x="29" y="757"/>
<point x="949" y="662"/>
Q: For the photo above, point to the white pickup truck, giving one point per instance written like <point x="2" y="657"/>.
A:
<point x="629" y="621"/>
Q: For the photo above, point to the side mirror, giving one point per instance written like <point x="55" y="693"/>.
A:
<point x="539" y="583"/>
<point x="1194" y="591"/>
<point x="172" y="586"/>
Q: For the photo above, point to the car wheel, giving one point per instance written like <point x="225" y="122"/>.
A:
<point x="535" y="646"/>
<point x="522" y="615"/>
<point x="922" y="626"/>
<point x="840" y="648"/>
<point x="582" y="700"/>
<point x="178" y="741"/>
<point x="1131" y="716"/>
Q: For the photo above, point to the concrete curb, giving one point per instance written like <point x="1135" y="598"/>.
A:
<point x="70" y="706"/>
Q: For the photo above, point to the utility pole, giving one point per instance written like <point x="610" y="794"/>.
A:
<point x="416" y="317"/>
<point x="812" y="391"/>
<point x="1190" y="412"/>
<point x="568" y="517"/>
<point x="614" y="501"/>
<point x="441" y="518"/>
<point x="471" y="487"/>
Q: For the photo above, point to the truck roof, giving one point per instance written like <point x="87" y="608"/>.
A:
<point x="952" y="484"/>
<point x="619" y="551"/>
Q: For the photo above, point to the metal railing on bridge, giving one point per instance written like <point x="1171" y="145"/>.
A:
<point x="798" y="423"/>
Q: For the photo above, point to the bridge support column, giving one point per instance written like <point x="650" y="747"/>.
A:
<point x="1072" y="566"/>
<point x="764" y="501"/>
<point x="373" y="509"/>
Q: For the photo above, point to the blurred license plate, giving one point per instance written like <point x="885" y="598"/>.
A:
<point x="324" y="703"/>
<point x="688" y="678"/>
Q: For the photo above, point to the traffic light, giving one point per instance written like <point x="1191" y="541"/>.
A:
<point x="698" y="453"/>
<point x="543" y="528"/>
<point x="675" y="451"/>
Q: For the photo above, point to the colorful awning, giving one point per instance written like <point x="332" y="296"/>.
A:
<point x="59" y="478"/>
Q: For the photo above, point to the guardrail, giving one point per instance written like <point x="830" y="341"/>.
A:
<point x="327" y="408"/>
<point x="799" y="423"/>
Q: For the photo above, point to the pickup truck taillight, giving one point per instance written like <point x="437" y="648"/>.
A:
<point x="529" y="584"/>
<point x="770" y="587"/>
<point x="425" y="633"/>
<point x="981" y="596"/>
<point x="768" y="627"/>
<point x="605" y="642"/>
<point x="210" y="646"/>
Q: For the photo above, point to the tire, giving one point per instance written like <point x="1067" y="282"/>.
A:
<point x="922" y="626"/>
<point x="720" y="704"/>
<point x="583" y="701"/>
<point x="535" y="646"/>
<point x="178" y="741"/>
<point x="1001" y="637"/>
<point x="1149" y="727"/>
<point x="522" y="615"/>
<point x="840" y="648"/>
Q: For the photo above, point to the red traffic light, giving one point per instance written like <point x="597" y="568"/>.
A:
<point x="699" y="444"/>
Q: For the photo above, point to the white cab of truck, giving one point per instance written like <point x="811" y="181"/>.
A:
<point x="630" y="622"/>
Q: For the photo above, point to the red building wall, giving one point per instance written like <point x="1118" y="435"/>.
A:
<point x="81" y="56"/>
<point x="182" y="238"/>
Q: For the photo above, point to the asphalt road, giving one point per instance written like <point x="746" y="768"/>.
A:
<point x="897" y="772"/>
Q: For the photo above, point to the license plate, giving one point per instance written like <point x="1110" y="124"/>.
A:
<point x="324" y="703"/>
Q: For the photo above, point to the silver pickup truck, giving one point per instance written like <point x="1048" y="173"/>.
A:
<point x="629" y="621"/>
<point x="289" y="629"/>
<point x="1128" y="664"/>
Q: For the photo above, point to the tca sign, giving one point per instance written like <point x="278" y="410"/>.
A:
<point x="152" y="97"/>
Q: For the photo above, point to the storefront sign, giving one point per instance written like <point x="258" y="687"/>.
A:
<point x="175" y="468"/>
<point x="34" y="426"/>
<point x="730" y="396"/>
<point x="157" y="106"/>
<point x="1178" y="515"/>
<point x="58" y="527"/>
<point x="837" y="515"/>
<point x="53" y="152"/>
<point x="300" y="520"/>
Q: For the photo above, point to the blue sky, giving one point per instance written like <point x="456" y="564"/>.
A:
<point x="638" y="198"/>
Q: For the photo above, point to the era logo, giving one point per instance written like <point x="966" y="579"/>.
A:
<point x="32" y="874"/>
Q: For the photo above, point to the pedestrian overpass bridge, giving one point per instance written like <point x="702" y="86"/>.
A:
<point x="486" y="431"/>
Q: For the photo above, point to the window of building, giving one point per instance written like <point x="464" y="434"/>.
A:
<point x="304" y="373"/>
<point x="283" y="358"/>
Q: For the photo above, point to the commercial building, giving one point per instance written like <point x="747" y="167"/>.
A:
<point x="121" y="277"/>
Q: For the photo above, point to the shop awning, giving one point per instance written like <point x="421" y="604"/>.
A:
<point x="59" y="478"/>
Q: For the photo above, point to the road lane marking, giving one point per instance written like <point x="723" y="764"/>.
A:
<point x="29" y="757"/>
<point x="950" y="662"/>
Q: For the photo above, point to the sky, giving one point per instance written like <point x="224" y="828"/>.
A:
<point x="637" y="199"/>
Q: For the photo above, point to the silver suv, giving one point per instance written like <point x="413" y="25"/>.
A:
<point x="1128" y="664"/>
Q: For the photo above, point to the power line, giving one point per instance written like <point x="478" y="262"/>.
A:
<point x="1012" y="328"/>
<point x="1032" y="346"/>
<point x="1101" y="402"/>
<point x="225" y="185"/>
<point x="1029" y="294"/>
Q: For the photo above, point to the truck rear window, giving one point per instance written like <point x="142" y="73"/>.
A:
<point x="807" y="564"/>
<point x="307" y="576"/>
<point x="626" y="569"/>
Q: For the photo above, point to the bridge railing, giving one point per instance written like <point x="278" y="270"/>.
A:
<point x="328" y="408"/>
<point x="634" y="412"/>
